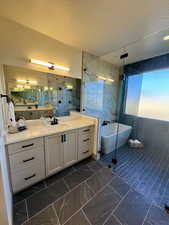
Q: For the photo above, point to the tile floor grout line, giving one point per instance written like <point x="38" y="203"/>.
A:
<point x="117" y="219"/>
<point x="155" y="203"/>
<point x="36" y="214"/>
<point x="56" y="213"/>
<point x="97" y="168"/>
<point x="95" y="194"/>
<point x="89" y="187"/>
<point x="86" y="217"/>
<point x="115" y="191"/>
<point x="116" y="207"/>
<point x="31" y="195"/>
<point x="27" y="215"/>
<point x="76" y="187"/>
<point x="66" y="184"/>
<point x="45" y="187"/>
<point x="74" y="170"/>
<point x="15" y="204"/>
<point x="63" y="196"/>
<point x="68" y="193"/>
<point x="146" y="214"/>
<point x="59" y="198"/>
<point x="134" y="189"/>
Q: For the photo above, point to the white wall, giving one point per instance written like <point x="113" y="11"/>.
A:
<point x="18" y="44"/>
<point x="5" y="187"/>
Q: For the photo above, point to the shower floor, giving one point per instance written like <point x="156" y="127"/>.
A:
<point x="144" y="172"/>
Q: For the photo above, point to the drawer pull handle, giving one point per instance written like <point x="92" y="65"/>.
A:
<point x="25" y="146"/>
<point x="86" y="130"/>
<point x="86" y="140"/>
<point x="27" y="178"/>
<point x="27" y="160"/>
<point x="86" y="152"/>
<point x="64" y="137"/>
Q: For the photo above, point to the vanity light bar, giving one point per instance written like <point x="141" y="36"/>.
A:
<point x="27" y="81"/>
<point x="166" y="38"/>
<point x="49" y="65"/>
<point x="106" y="79"/>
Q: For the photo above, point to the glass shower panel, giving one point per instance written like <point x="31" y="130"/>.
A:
<point x="144" y="106"/>
<point x="100" y="91"/>
<point x="100" y="88"/>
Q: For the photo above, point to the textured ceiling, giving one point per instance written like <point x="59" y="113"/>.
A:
<point x="97" y="26"/>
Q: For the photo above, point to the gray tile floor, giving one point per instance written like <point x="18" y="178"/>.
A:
<point x="85" y="194"/>
<point x="145" y="171"/>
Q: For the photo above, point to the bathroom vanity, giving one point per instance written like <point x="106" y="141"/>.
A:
<point x="44" y="150"/>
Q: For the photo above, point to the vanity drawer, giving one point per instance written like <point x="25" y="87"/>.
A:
<point x="84" y="153"/>
<point x="85" y="146"/>
<point x="25" y="145"/>
<point x="83" y="138"/>
<point x="26" y="159"/>
<point x="27" y="177"/>
<point x="86" y="130"/>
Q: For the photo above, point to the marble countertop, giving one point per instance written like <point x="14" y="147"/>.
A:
<point x="39" y="128"/>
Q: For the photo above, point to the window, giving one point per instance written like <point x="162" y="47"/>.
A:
<point x="148" y="95"/>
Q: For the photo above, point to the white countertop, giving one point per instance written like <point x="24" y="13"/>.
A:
<point x="37" y="128"/>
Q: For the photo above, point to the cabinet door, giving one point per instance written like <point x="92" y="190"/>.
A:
<point x="70" y="148"/>
<point x="54" y="154"/>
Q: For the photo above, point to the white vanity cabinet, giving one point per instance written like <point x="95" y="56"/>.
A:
<point x="35" y="159"/>
<point x="60" y="151"/>
<point x="27" y="163"/>
<point x="53" y="153"/>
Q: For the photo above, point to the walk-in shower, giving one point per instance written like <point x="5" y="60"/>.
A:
<point x="136" y="103"/>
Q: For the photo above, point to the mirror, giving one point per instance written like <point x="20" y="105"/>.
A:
<point x="36" y="94"/>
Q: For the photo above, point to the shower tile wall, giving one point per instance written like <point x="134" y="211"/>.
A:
<point x="100" y="97"/>
<point x="64" y="94"/>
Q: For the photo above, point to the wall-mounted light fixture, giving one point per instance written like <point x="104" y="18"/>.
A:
<point x="50" y="65"/>
<point x="69" y="87"/>
<point x="105" y="79"/>
<point x="166" y="38"/>
<point x="27" y="82"/>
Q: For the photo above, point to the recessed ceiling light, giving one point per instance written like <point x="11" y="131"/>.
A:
<point x="166" y="38"/>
